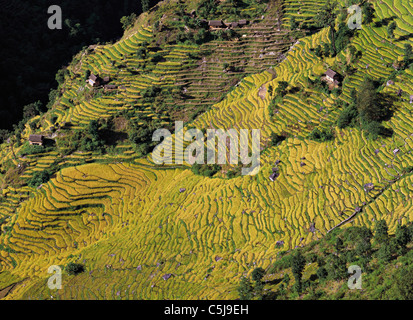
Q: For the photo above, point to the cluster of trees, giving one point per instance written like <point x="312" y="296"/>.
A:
<point x="326" y="17"/>
<point x="342" y="40"/>
<point x="390" y="29"/>
<point x="202" y="36"/>
<point x="209" y="9"/>
<point x="371" y="250"/>
<point x="90" y="138"/>
<point x="367" y="110"/>
<point x="128" y="21"/>
<point x="140" y="131"/>
<point x="408" y="53"/>
<point x="321" y="135"/>
<point x="39" y="178"/>
<point x="29" y="111"/>
<point x="318" y="84"/>
<point x="279" y="93"/>
<point x="234" y="172"/>
<point x="206" y="170"/>
<point x="192" y="29"/>
<point x="254" y="289"/>
<point x="28" y="149"/>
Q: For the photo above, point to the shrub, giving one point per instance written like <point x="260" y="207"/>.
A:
<point x="205" y="169"/>
<point x="297" y="267"/>
<point x="347" y="117"/>
<point x="276" y="139"/>
<point x="384" y="254"/>
<point x="39" y="178"/>
<point x="322" y="273"/>
<point x="245" y="289"/>
<point x="381" y="232"/>
<point x="390" y="29"/>
<point x="322" y="135"/>
<point x="28" y="149"/>
<point x="74" y="268"/>
<point x="128" y="21"/>
<point x="257" y="274"/>
<point x="404" y="283"/>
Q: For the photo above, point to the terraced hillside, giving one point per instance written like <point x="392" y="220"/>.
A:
<point x="144" y="231"/>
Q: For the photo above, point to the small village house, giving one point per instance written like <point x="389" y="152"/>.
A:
<point x="94" y="80"/>
<point x="110" y="87"/>
<point x="331" y="75"/>
<point x="36" y="139"/>
<point x="215" y="24"/>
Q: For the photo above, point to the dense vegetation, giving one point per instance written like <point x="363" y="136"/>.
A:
<point x="320" y="270"/>
<point x="367" y="110"/>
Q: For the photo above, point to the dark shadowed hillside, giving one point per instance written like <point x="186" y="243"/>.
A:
<point x="31" y="53"/>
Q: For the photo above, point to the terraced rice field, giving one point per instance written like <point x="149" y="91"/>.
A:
<point x="150" y="232"/>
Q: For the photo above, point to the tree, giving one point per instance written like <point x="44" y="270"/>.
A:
<point x="326" y="49"/>
<point x="347" y="117"/>
<point x="201" y="36"/>
<point x="322" y="273"/>
<point x="39" y="177"/>
<point x="374" y="129"/>
<point x="368" y="12"/>
<point x="93" y="128"/>
<point x="390" y="29"/>
<point x="381" y="232"/>
<point x="326" y="17"/>
<point x="293" y="23"/>
<point x="286" y="279"/>
<point x="74" y="268"/>
<point x="259" y="289"/>
<point x="91" y="139"/>
<point x="339" y="245"/>
<point x="297" y="266"/>
<point x="128" y="21"/>
<point x="408" y="54"/>
<point x="276" y="138"/>
<point x="318" y="51"/>
<point x="257" y="274"/>
<point x="363" y="248"/>
<point x="322" y="135"/>
<point x="353" y="94"/>
<point x="31" y="110"/>
<point x="336" y="267"/>
<point x="60" y="76"/>
<point x="145" y="5"/>
<point x="369" y="105"/>
<point x="343" y="37"/>
<point x="384" y="254"/>
<point x="87" y="75"/>
<point x="404" y="283"/>
<point x="402" y="238"/>
<point x="53" y="119"/>
<point x="4" y="135"/>
<point x="245" y="289"/>
<point x="282" y="87"/>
